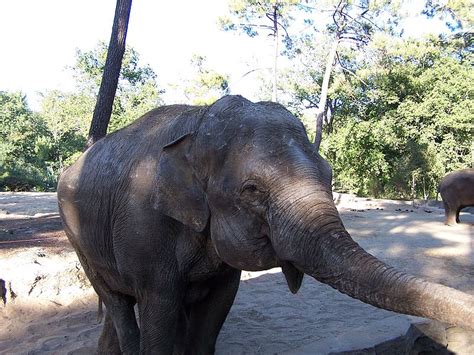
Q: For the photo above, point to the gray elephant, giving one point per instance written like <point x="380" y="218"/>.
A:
<point x="457" y="191"/>
<point x="166" y="212"/>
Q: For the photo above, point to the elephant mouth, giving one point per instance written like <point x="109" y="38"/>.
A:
<point x="293" y="276"/>
<point x="266" y="255"/>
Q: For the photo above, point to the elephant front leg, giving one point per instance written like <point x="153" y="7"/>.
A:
<point x="458" y="211"/>
<point x="181" y="332"/>
<point x="159" y="316"/>
<point x="207" y="316"/>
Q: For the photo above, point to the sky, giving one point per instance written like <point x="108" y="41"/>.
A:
<point x="39" y="40"/>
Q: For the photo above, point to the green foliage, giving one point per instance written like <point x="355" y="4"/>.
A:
<point x="252" y="16"/>
<point x="90" y="65"/>
<point x="207" y="85"/>
<point x="137" y="90"/>
<point x="36" y="147"/>
<point x="456" y="13"/>
<point x="21" y="132"/>
<point x="405" y="119"/>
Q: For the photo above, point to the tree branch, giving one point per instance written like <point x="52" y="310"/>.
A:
<point x="347" y="70"/>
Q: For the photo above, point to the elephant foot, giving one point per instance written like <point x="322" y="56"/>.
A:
<point x="450" y="218"/>
<point x="450" y="222"/>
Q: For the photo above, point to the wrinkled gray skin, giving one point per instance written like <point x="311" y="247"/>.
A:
<point x="457" y="191"/>
<point x="167" y="211"/>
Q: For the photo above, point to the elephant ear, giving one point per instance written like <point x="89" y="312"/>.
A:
<point x="178" y="193"/>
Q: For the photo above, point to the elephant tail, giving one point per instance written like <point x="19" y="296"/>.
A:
<point x="100" y="311"/>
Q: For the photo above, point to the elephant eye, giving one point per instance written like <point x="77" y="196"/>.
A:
<point x="251" y="188"/>
<point x="254" y="196"/>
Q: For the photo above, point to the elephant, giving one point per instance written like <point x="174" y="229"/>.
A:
<point x="457" y="191"/>
<point x="166" y="212"/>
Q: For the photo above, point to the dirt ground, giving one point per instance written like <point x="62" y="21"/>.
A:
<point x="49" y="307"/>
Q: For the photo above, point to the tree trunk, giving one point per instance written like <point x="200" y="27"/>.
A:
<point x="324" y="94"/>
<point x="113" y="64"/>
<point x="425" y="194"/>
<point x="275" y="59"/>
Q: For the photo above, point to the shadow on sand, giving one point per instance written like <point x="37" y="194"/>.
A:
<point x="44" y="231"/>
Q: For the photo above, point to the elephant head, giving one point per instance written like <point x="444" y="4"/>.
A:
<point x="255" y="182"/>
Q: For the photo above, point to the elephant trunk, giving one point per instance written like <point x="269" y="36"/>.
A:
<point x="322" y="248"/>
<point x="351" y="270"/>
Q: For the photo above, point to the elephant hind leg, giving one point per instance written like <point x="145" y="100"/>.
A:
<point x="108" y="341"/>
<point x="121" y="323"/>
<point x="450" y="214"/>
<point x="120" y="313"/>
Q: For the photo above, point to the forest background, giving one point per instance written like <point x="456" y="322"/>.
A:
<point x="398" y="111"/>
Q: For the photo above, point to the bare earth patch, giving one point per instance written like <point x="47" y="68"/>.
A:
<point x="49" y="306"/>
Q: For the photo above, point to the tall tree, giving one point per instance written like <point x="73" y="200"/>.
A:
<point x="108" y="86"/>
<point x="351" y="23"/>
<point x="252" y="16"/>
<point x="341" y="29"/>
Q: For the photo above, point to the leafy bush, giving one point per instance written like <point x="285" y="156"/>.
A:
<point x="36" y="147"/>
<point x="404" y="121"/>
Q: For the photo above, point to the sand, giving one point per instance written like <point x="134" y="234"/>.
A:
<point x="51" y="308"/>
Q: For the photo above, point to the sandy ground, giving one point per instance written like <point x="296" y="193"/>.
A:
<point x="50" y="308"/>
